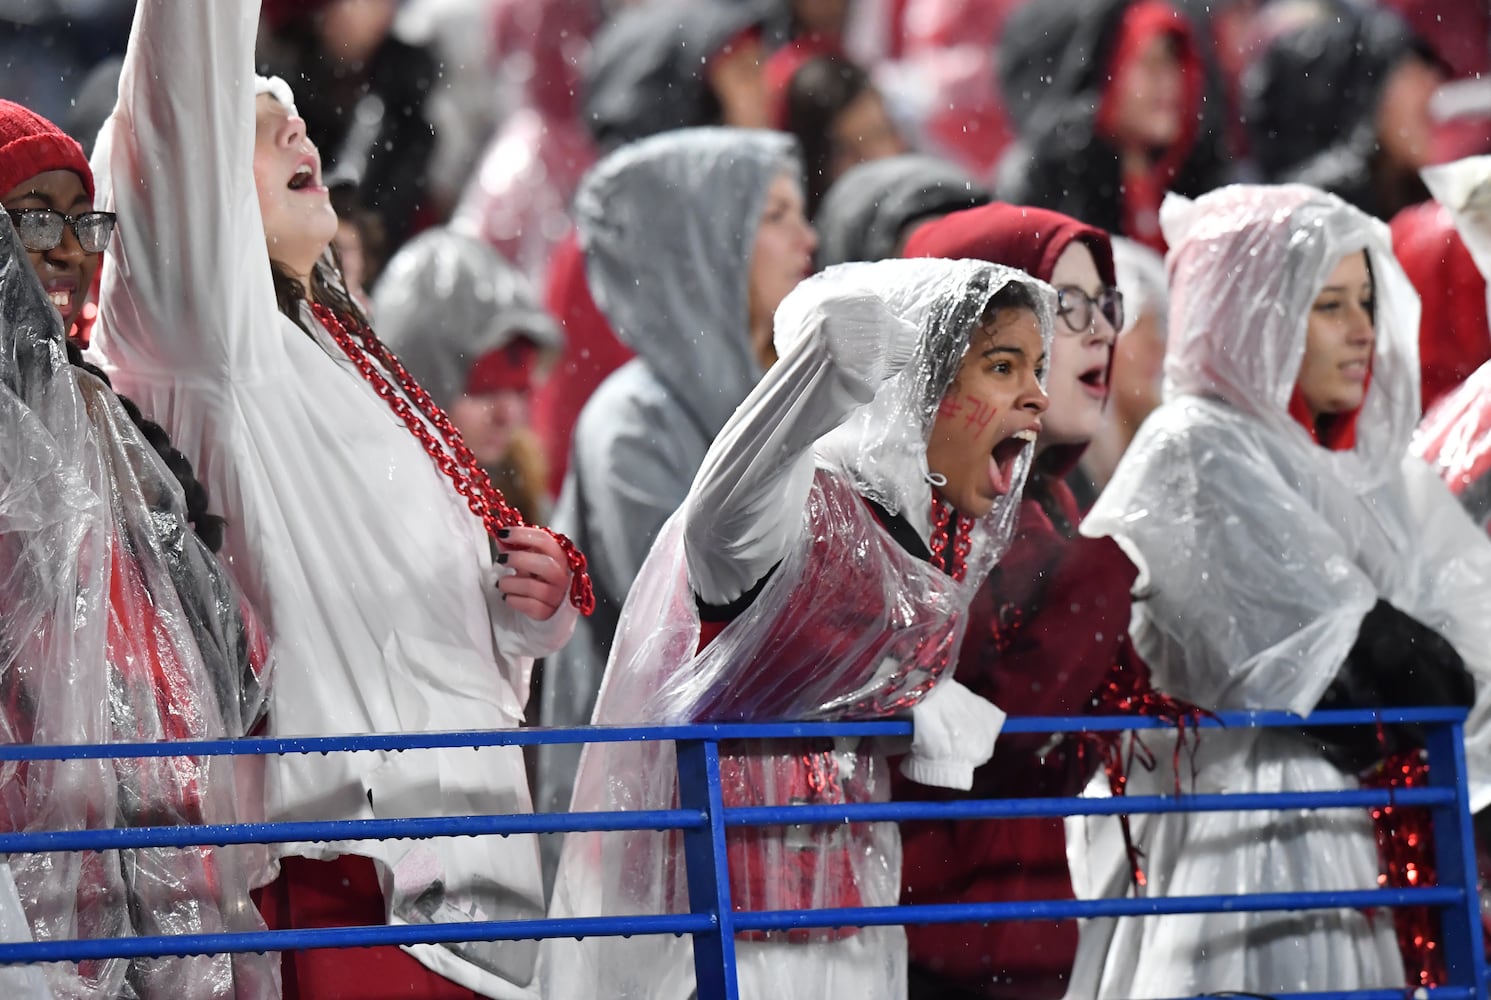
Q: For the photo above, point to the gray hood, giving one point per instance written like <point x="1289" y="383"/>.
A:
<point x="445" y="300"/>
<point x="866" y="212"/>
<point x="667" y="225"/>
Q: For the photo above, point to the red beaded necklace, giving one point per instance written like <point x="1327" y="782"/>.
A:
<point x="948" y="525"/>
<point x="449" y="453"/>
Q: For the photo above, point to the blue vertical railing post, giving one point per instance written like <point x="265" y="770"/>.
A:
<point x="708" y="869"/>
<point x="1455" y="858"/>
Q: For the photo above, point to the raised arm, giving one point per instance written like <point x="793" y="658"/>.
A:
<point x="186" y="286"/>
<point x="744" y="509"/>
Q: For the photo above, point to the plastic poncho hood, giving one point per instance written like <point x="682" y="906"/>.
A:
<point x="1246" y="263"/>
<point x="879" y="452"/>
<point x="1261" y="553"/>
<point x="668" y="225"/>
<point x="1261" y="614"/>
<point x="869" y="652"/>
<point x="446" y="300"/>
<point x="117" y="625"/>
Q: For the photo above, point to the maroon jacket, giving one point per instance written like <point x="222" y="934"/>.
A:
<point x="1046" y="635"/>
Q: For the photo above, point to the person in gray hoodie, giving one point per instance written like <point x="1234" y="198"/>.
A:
<point x="869" y="211"/>
<point x="691" y="239"/>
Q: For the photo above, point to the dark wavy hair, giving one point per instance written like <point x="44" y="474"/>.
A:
<point x="326" y="289"/>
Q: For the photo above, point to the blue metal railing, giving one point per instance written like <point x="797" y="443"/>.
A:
<point x="703" y="819"/>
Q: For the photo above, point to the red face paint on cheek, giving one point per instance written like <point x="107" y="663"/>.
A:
<point x="980" y="414"/>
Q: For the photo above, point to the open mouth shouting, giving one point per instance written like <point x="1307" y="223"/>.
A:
<point x="1005" y="454"/>
<point x="1094" y="380"/>
<point x="307" y="177"/>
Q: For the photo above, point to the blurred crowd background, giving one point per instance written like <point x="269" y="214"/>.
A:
<point x="486" y="113"/>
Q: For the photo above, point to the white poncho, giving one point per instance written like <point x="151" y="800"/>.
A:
<point x="1262" y="552"/>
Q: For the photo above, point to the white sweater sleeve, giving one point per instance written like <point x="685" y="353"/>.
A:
<point x="186" y="286"/>
<point x="743" y="511"/>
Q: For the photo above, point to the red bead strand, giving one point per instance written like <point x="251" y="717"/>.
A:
<point x="450" y="453"/>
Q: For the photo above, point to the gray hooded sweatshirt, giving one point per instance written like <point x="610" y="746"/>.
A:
<point x="667" y="225"/>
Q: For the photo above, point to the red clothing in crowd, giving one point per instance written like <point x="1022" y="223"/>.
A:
<point x="1453" y="336"/>
<point x="591" y="352"/>
<point x="1043" y="637"/>
<point x="1047" y="635"/>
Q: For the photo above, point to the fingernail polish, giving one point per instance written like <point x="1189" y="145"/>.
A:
<point x="501" y="558"/>
<point x="504" y="532"/>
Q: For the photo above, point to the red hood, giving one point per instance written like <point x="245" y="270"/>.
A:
<point x="1141" y="24"/>
<point x="1018" y="236"/>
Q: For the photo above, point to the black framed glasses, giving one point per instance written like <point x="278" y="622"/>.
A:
<point x="40" y="229"/>
<point x="1078" y="310"/>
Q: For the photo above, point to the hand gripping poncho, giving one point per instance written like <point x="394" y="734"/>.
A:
<point x="848" y="623"/>
<point x="1264" y="551"/>
<point x="116" y="624"/>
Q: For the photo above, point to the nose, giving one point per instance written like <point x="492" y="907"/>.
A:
<point x="291" y="131"/>
<point x="69" y="252"/>
<point x="1362" y="332"/>
<point x="1101" y="331"/>
<point x="809" y="237"/>
<point x="511" y="410"/>
<point x="1033" y="399"/>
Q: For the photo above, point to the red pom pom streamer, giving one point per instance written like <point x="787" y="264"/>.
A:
<point x="450" y="453"/>
<point x="1405" y="851"/>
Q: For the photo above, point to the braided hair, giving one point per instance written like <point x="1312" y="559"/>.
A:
<point x="208" y="527"/>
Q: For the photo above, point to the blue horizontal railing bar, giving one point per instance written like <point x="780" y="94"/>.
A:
<point x="691" y="923"/>
<point x="717" y="923"/>
<point x="352" y="937"/>
<point x="417" y="828"/>
<point x="421" y="828"/>
<point x="695" y="731"/>
<point x="867" y="812"/>
<point x="1065" y="909"/>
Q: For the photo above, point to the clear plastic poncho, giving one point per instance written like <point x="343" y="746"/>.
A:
<point x="118" y="625"/>
<point x="848" y="623"/>
<point x="1262" y="552"/>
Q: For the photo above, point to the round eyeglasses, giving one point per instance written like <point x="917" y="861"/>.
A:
<point x="1078" y="310"/>
<point x="40" y="229"/>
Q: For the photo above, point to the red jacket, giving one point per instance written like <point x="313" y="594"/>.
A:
<point x="1045" y="636"/>
<point x="1453" y="337"/>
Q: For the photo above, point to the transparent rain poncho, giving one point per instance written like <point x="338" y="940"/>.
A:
<point x="118" y="625"/>
<point x="1260" y="554"/>
<point x="842" y="622"/>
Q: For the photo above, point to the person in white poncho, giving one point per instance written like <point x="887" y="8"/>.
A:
<point x="1293" y="555"/>
<point x="819" y="568"/>
<point x="352" y="508"/>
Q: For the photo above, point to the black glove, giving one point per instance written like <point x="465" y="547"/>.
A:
<point x="1396" y="662"/>
<point x="1413" y="666"/>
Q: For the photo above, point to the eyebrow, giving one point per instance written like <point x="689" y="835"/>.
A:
<point x="1011" y="349"/>
<point x="48" y="200"/>
<point x="1346" y="289"/>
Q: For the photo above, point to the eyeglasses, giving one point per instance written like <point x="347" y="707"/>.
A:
<point x="40" y="229"/>
<point x="1078" y="310"/>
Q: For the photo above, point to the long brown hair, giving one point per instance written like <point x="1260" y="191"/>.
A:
<point x="327" y="289"/>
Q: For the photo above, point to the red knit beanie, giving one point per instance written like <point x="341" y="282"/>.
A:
<point x="31" y="145"/>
